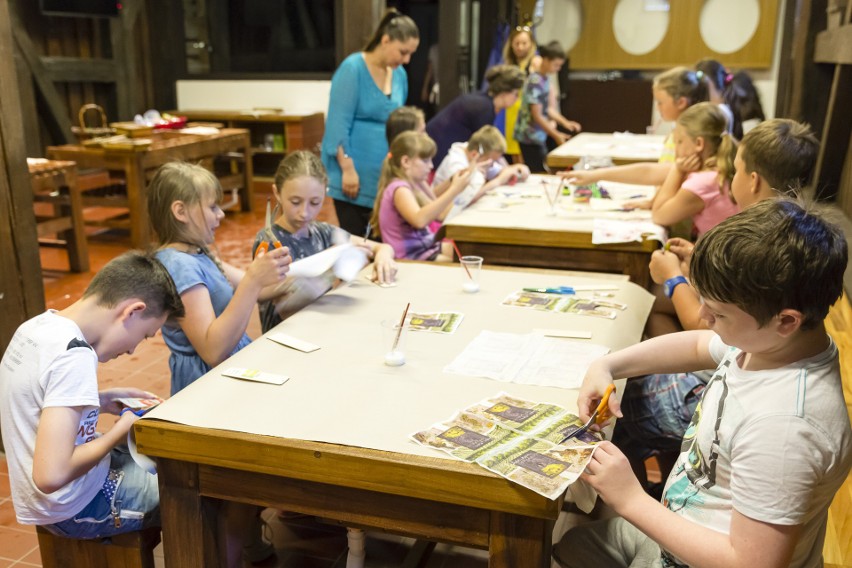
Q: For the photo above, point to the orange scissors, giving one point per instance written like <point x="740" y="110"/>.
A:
<point x="270" y="242"/>
<point x="601" y="414"/>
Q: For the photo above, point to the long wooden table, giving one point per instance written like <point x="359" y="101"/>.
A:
<point x="333" y="440"/>
<point x="136" y="166"/>
<point x="620" y="147"/>
<point x="523" y="234"/>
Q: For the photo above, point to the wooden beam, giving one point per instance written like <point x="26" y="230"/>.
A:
<point x="77" y="69"/>
<point x="834" y="46"/>
<point x="55" y="104"/>
<point x="21" y="287"/>
<point x="835" y="135"/>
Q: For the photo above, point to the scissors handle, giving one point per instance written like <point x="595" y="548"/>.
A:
<point x="267" y="246"/>
<point x="602" y="411"/>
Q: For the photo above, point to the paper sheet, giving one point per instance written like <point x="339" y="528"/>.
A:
<point x="344" y="260"/>
<point x="529" y="359"/>
<point x="606" y="231"/>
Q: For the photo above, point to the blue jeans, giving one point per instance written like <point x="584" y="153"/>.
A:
<point x="657" y="410"/>
<point x="135" y="503"/>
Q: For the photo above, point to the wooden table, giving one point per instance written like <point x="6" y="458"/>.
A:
<point x="333" y="440"/>
<point x="523" y="234"/>
<point x="136" y="167"/>
<point x="289" y="133"/>
<point x="54" y="182"/>
<point x="621" y="148"/>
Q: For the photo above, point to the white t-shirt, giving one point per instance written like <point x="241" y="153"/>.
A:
<point x="47" y="364"/>
<point x="775" y="445"/>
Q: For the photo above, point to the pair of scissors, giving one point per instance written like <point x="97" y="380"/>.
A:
<point x="270" y="242"/>
<point x="553" y="290"/>
<point x="601" y="414"/>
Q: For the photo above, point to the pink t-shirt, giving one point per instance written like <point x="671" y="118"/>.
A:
<point x="717" y="203"/>
<point x="407" y="242"/>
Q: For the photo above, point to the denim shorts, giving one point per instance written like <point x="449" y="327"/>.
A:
<point x="128" y="501"/>
<point x="657" y="410"/>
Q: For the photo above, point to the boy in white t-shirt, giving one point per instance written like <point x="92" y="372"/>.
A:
<point x="486" y="146"/>
<point x="65" y="476"/>
<point x="770" y="442"/>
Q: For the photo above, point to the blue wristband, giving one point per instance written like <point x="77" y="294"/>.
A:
<point x="672" y="283"/>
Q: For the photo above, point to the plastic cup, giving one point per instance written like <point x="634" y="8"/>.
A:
<point x="393" y="342"/>
<point x="471" y="267"/>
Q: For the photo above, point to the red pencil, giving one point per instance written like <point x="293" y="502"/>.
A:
<point x="458" y="252"/>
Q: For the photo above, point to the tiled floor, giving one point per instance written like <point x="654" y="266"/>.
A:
<point x="301" y="542"/>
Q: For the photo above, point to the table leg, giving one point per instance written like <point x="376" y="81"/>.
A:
<point x="75" y="237"/>
<point x="188" y="520"/>
<point x="137" y="202"/>
<point x="519" y="541"/>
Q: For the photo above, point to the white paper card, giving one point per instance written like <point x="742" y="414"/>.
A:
<point x="255" y="375"/>
<point x="576" y="334"/>
<point x="294" y="342"/>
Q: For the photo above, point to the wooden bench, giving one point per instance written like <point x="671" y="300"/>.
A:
<point x="128" y="550"/>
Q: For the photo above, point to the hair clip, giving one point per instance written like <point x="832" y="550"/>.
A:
<point x="728" y="78"/>
<point x="699" y="74"/>
<point x="523" y="29"/>
<point x="389" y="156"/>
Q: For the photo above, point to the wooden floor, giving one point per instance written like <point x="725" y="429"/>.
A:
<point x="838" y="539"/>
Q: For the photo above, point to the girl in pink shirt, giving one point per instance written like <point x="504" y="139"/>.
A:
<point x="698" y="187"/>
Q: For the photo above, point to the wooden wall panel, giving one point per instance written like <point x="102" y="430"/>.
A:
<point x="597" y="47"/>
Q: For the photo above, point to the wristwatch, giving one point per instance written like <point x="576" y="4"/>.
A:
<point x="670" y="285"/>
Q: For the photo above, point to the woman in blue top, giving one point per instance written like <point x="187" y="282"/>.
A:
<point x="366" y="87"/>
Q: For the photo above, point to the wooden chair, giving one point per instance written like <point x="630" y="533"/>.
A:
<point x="128" y="550"/>
<point x="54" y="183"/>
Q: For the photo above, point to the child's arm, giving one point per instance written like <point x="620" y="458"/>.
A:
<point x="671" y="353"/>
<point x="645" y="173"/>
<point x="665" y="265"/>
<point x="417" y="216"/>
<point x="750" y="542"/>
<point x="544" y="124"/>
<point x="56" y="460"/>
<point x="384" y="266"/>
<point x="671" y="204"/>
<point x="555" y="113"/>
<point x="214" y="338"/>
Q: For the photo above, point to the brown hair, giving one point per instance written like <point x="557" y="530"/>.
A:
<point x="503" y="79"/>
<point x="775" y="255"/>
<point x="402" y="119"/>
<point x="707" y="121"/>
<point x="412" y="144"/>
<point x="682" y="82"/>
<point x="137" y="275"/>
<point x="781" y="151"/>
<point x="300" y="163"/>
<point x="396" y="26"/>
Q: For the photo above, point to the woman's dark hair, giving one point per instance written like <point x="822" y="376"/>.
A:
<point x="396" y="26"/>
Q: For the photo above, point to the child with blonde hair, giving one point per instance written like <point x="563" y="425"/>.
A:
<point x="674" y="91"/>
<point x="402" y="212"/>
<point x="403" y="119"/>
<point x="699" y="184"/>
<point x="299" y="189"/>
<point x="485" y="149"/>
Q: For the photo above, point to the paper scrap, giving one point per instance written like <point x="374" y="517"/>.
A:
<point x="294" y="342"/>
<point x="255" y="375"/>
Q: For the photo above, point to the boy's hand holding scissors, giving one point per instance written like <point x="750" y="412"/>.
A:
<point x="595" y="384"/>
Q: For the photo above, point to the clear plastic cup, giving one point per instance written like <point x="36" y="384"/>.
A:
<point x="471" y="267"/>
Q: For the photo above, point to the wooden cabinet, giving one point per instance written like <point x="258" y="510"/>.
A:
<point x="273" y="136"/>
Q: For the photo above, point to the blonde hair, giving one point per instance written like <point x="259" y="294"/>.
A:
<point x="707" y="121"/>
<point x="509" y="55"/>
<point x="682" y="82"/>
<point x="412" y="144"/>
<point x="487" y="139"/>
<point x="300" y="163"/>
<point x="179" y="181"/>
<point x="402" y="119"/>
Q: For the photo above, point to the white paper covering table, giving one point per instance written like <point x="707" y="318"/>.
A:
<point x="523" y="234"/>
<point x="623" y="148"/>
<point x="333" y="440"/>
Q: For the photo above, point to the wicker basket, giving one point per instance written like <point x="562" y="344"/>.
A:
<point x="87" y="132"/>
